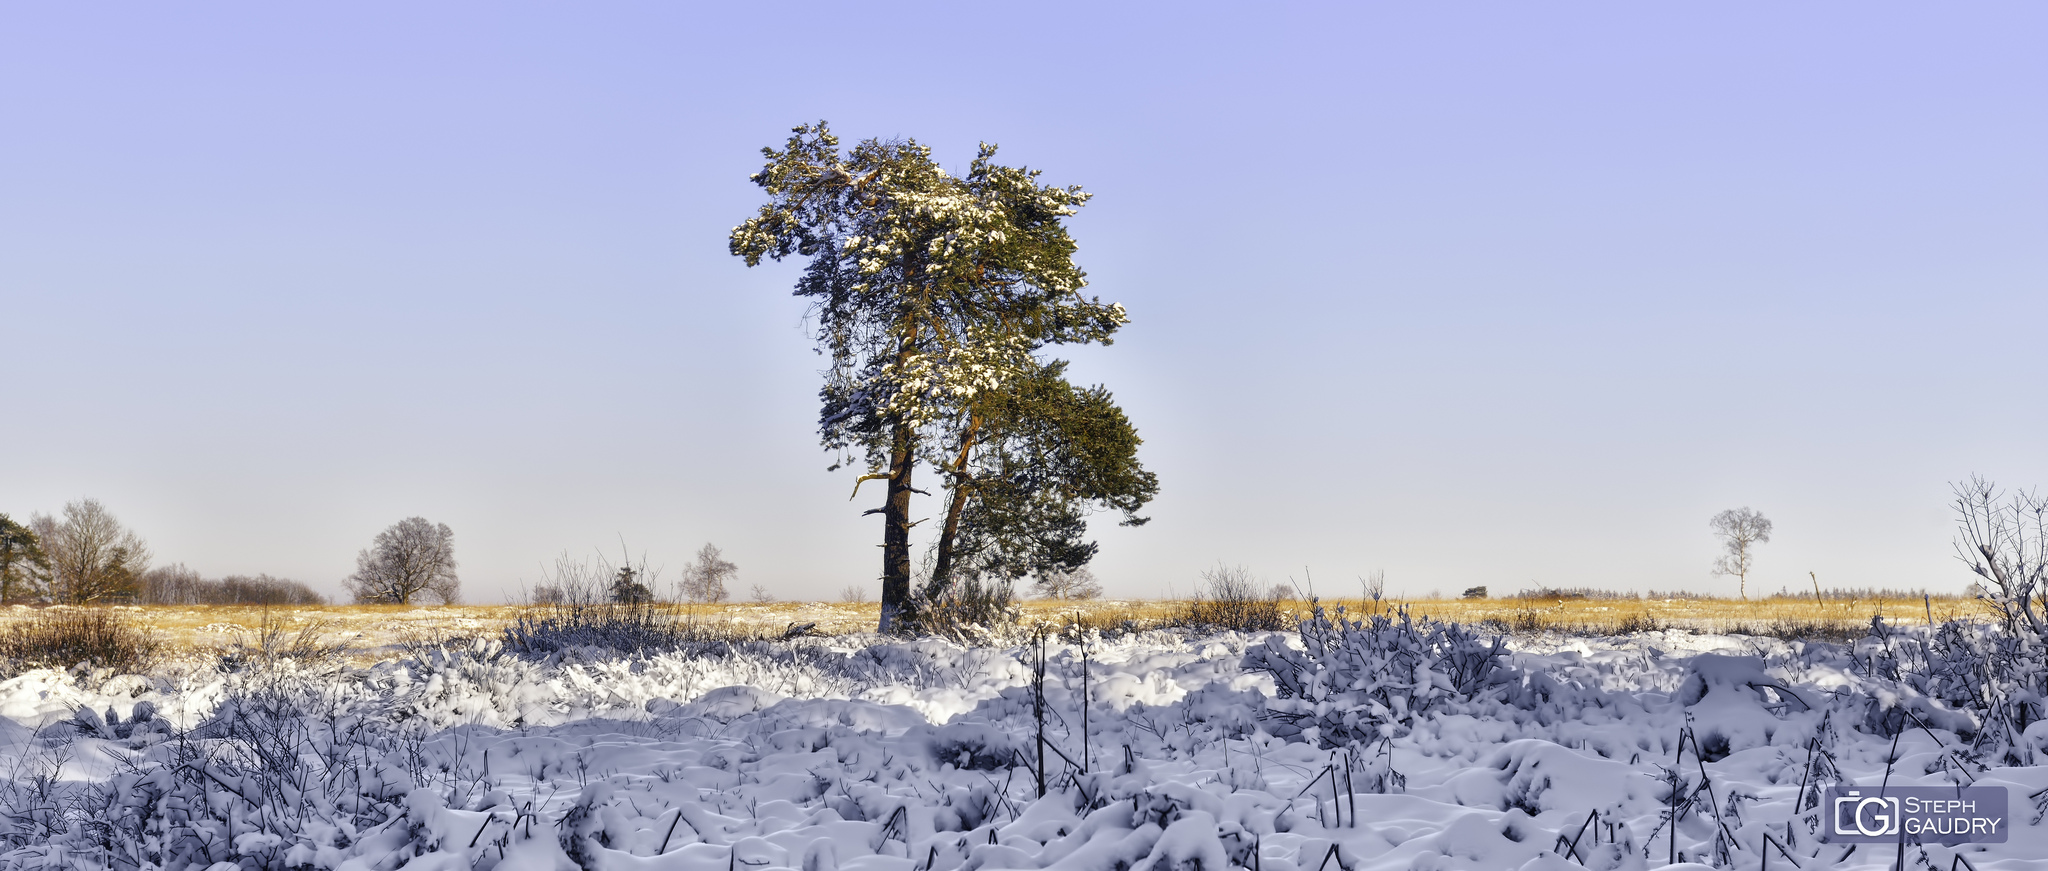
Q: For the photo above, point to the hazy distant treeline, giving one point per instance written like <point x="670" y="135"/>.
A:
<point x="178" y="585"/>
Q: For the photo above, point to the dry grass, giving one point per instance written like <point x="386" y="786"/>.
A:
<point x="374" y="632"/>
<point x="1828" y="618"/>
<point x="1783" y="616"/>
<point x="69" y="637"/>
<point x="378" y="632"/>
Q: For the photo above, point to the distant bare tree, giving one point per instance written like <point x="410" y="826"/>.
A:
<point x="854" y="594"/>
<point x="762" y="595"/>
<point x="22" y="562"/>
<point x="93" y="558"/>
<point x="413" y="558"/>
<point x="2006" y="543"/>
<point x="1741" y="530"/>
<point x="705" y="580"/>
<point x="1077" y="584"/>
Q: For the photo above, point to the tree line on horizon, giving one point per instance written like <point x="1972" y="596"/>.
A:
<point x="85" y="556"/>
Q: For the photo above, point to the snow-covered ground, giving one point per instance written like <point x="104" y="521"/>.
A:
<point x="872" y="754"/>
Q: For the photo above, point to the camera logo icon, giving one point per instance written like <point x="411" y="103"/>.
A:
<point x="1915" y="814"/>
<point x="1869" y="816"/>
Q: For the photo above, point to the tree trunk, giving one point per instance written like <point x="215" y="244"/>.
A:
<point x="942" y="566"/>
<point x="896" y="530"/>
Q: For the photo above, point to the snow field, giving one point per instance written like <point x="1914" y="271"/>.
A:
<point x="869" y="754"/>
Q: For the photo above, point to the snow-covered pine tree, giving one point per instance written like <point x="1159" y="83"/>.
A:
<point x="928" y="289"/>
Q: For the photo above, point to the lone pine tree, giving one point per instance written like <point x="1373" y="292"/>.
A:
<point x="931" y="292"/>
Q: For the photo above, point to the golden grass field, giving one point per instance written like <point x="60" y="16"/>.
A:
<point x="375" y="631"/>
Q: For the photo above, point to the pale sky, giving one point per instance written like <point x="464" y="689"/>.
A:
<point x="1502" y="294"/>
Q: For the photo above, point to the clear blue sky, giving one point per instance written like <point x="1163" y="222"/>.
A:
<point x="1472" y="293"/>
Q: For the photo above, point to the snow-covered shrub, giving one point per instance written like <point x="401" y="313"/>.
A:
<point x="974" y="746"/>
<point x="1733" y="703"/>
<point x="142" y="727"/>
<point x="271" y="778"/>
<point x="1358" y="681"/>
<point x="274" y="644"/>
<point x="1983" y="682"/>
<point x="961" y="609"/>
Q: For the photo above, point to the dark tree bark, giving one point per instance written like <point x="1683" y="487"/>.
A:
<point x="942" y="566"/>
<point x="896" y="529"/>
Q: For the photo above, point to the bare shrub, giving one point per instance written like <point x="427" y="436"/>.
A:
<point x="1523" y="620"/>
<point x="578" y="605"/>
<point x="1837" y="631"/>
<point x="1639" y="623"/>
<point x="2005" y="542"/>
<point x="1527" y="618"/>
<point x="65" y="638"/>
<point x="1373" y="587"/>
<point x="1228" y="597"/>
<point x="761" y="595"/>
<point x="573" y="581"/>
<point x="627" y="629"/>
<point x="856" y="594"/>
<point x="275" y="643"/>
